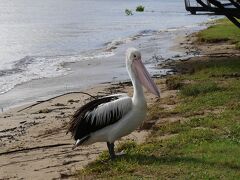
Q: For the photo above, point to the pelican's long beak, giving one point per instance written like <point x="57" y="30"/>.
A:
<point x="145" y="77"/>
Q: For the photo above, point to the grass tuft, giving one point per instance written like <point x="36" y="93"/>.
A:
<point x="126" y="146"/>
<point x="199" y="88"/>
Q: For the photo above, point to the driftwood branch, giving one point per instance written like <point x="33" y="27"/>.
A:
<point x="39" y="102"/>
<point x="34" y="148"/>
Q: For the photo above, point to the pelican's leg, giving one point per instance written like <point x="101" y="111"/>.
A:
<point x="111" y="150"/>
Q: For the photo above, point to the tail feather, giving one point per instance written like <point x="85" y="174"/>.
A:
<point x="80" y="141"/>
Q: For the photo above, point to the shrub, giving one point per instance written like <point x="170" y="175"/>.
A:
<point x="140" y="8"/>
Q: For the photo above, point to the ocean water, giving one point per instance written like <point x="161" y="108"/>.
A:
<point x="38" y="37"/>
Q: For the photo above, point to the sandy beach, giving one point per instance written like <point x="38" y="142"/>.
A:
<point x="34" y="141"/>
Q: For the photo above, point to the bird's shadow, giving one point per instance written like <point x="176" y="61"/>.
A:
<point x="174" y="160"/>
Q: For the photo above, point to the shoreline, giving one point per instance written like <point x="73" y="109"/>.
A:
<point x="79" y="78"/>
<point x="35" y="137"/>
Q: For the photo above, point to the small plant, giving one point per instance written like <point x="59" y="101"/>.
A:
<point x="140" y="8"/>
<point x="127" y="145"/>
<point x="128" y="12"/>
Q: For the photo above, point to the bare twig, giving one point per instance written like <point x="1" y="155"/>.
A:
<point x="39" y="102"/>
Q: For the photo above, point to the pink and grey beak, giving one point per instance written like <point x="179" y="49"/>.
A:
<point x="145" y="77"/>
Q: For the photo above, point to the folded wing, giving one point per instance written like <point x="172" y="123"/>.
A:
<point x="99" y="114"/>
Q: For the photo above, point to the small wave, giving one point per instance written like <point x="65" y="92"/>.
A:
<point x="18" y="66"/>
<point x="147" y="32"/>
<point x="24" y="62"/>
<point x="30" y="68"/>
<point x="9" y="71"/>
<point x="114" y="44"/>
<point x="117" y="42"/>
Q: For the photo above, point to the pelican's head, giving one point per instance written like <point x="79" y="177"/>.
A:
<point x="135" y="66"/>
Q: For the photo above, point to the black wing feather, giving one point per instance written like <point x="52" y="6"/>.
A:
<point x="81" y="125"/>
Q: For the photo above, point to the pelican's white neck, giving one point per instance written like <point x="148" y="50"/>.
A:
<point x="138" y="94"/>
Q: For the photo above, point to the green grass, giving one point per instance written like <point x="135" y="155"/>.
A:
<point x="214" y="85"/>
<point x="205" y="146"/>
<point x="200" y="88"/>
<point x="224" y="30"/>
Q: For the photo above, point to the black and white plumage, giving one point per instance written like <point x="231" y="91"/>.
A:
<point x="112" y="117"/>
<point x="98" y="114"/>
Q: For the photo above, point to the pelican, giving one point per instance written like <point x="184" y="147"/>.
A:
<point x="112" y="117"/>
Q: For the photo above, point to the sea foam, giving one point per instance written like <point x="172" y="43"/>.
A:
<point x="30" y="68"/>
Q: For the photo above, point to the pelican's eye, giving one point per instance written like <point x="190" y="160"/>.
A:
<point x="134" y="56"/>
